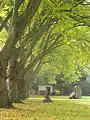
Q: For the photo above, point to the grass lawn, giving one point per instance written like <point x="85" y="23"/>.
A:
<point x="35" y="109"/>
<point x="59" y="97"/>
<point x="54" y="97"/>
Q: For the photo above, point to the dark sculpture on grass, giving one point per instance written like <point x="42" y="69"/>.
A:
<point x="47" y="97"/>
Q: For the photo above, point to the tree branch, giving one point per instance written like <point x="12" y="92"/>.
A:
<point x="6" y="26"/>
<point x="28" y="14"/>
<point x="8" y="16"/>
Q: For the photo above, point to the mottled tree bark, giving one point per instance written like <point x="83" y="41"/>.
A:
<point x="17" y="28"/>
<point x="3" y="87"/>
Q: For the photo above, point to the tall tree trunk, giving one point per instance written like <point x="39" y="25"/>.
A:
<point x="17" y="88"/>
<point x="22" y="85"/>
<point x="12" y="74"/>
<point x="22" y="89"/>
<point x="16" y="31"/>
<point x="3" y="86"/>
<point x="13" y="91"/>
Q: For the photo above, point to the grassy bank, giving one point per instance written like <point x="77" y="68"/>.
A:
<point x="57" y="110"/>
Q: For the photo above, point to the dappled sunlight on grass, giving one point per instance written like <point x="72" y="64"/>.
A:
<point x="56" y="110"/>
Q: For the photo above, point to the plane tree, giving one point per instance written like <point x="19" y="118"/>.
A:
<point x="52" y="31"/>
<point x="48" y="31"/>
